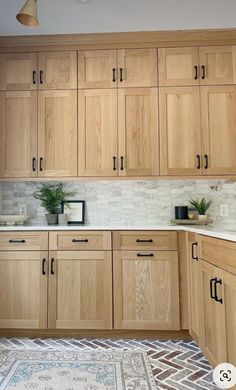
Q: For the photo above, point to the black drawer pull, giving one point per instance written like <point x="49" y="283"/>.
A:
<point x="122" y="163"/>
<point x="43" y="267"/>
<point x="33" y="164"/>
<point x="196" y="73"/>
<point x="121" y="75"/>
<point x="213" y="280"/>
<point x="141" y="240"/>
<point x="114" y="163"/>
<point x="206" y="161"/>
<point x="41" y="76"/>
<point x="16" y="241"/>
<point x="34" y="77"/>
<point x="203" y="72"/>
<point x="195" y="244"/>
<point x="52" y="266"/>
<point x="198" y="161"/>
<point x="145" y="254"/>
<point x="80" y="240"/>
<point x="114" y="75"/>
<point x="217" y="299"/>
<point x="41" y="164"/>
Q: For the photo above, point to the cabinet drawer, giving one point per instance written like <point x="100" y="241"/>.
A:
<point x="23" y="241"/>
<point x="81" y="240"/>
<point x="221" y="253"/>
<point x="145" y="240"/>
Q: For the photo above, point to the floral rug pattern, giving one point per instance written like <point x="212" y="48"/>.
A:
<point x="75" y="370"/>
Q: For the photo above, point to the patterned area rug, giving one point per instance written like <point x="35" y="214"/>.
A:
<point x="85" y="370"/>
<point x="176" y="364"/>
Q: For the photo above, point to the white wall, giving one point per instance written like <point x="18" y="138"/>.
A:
<point x="70" y="16"/>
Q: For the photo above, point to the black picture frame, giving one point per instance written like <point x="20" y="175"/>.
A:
<point x="68" y="206"/>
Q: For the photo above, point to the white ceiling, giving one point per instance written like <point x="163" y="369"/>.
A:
<point x="74" y="16"/>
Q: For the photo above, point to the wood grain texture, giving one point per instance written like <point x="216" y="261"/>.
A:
<point x="24" y="290"/>
<point x="180" y="132"/>
<point x="34" y="241"/>
<point x="183" y="280"/>
<point x="57" y="138"/>
<point x="161" y="240"/>
<point x="97" y="140"/>
<point x="146" y="290"/>
<point x="138" y="131"/>
<point x="96" y="240"/>
<point x="80" y="292"/>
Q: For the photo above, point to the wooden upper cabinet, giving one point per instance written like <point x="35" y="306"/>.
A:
<point x="217" y="65"/>
<point x="146" y="290"/>
<point x="178" y="66"/>
<point x="97" y="69"/>
<point x="138" y="132"/>
<point x="137" y="67"/>
<point x="97" y="141"/>
<point x="180" y="134"/>
<point x="218" y="117"/>
<point x="57" y="70"/>
<point x="57" y="137"/>
<point x="18" y="134"/>
<point x="18" y="71"/>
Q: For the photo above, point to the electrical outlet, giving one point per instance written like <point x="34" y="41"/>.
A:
<point x="224" y="210"/>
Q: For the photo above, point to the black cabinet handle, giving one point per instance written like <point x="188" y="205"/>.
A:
<point x="198" y="161"/>
<point x="206" y="161"/>
<point x="114" y="163"/>
<point x="213" y="280"/>
<point x="52" y="266"/>
<point x="121" y="75"/>
<point x="139" y="240"/>
<point x="43" y="267"/>
<point x="114" y="75"/>
<point x="80" y="240"/>
<point x="33" y="164"/>
<point x="16" y="241"/>
<point x="34" y="77"/>
<point x="41" y="76"/>
<point x="41" y="164"/>
<point x="203" y="72"/>
<point x="145" y="255"/>
<point x="194" y="245"/>
<point x="217" y="299"/>
<point x="122" y="163"/>
<point x="196" y="72"/>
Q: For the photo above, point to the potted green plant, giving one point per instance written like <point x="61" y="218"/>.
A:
<point x="51" y="196"/>
<point x="201" y="205"/>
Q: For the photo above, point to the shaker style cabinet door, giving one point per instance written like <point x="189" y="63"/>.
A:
<point x="57" y="137"/>
<point x="97" y="69"/>
<point x="137" y="68"/>
<point x="146" y="290"/>
<point x="57" y="70"/>
<point x="23" y="287"/>
<point x="18" y="71"/>
<point x="18" y="134"/>
<point x="218" y="117"/>
<point x="97" y="141"/>
<point x="138" y="132"/>
<point x="178" y="66"/>
<point x="80" y="290"/>
<point x="180" y="133"/>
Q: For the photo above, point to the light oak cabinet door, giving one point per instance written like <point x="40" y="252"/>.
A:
<point x="194" y="293"/>
<point x="138" y="132"/>
<point x="137" y="68"/>
<point x="97" y="69"/>
<point x="178" y="66"/>
<point x="212" y="331"/>
<point x="23" y="287"/>
<point x="97" y="141"/>
<point x="218" y="116"/>
<point x="217" y="65"/>
<point x="146" y="290"/>
<point x="80" y="290"/>
<point x="18" y="71"/>
<point x="57" y="138"/>
<point x="57" y="70"/>
<point x="18" y="134"/>
<point x="180" y="133"/>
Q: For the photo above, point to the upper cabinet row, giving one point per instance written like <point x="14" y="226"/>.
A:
<point x="212" y="65"/>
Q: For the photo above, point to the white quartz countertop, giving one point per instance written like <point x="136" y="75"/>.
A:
<point x="217" y="231"/>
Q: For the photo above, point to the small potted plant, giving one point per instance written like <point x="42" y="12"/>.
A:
<point x="51" y="196"/>
<point x="201" y="205"/>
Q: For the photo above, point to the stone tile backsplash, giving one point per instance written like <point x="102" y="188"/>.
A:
<point x="126" y="202"/>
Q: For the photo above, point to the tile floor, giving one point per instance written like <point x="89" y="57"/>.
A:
<point x="176" y="364"/>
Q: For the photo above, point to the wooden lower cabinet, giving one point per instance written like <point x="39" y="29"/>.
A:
<point x="80" y="290"/>
<point x="23" y="289"/>
<point x="146" y="290"/>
